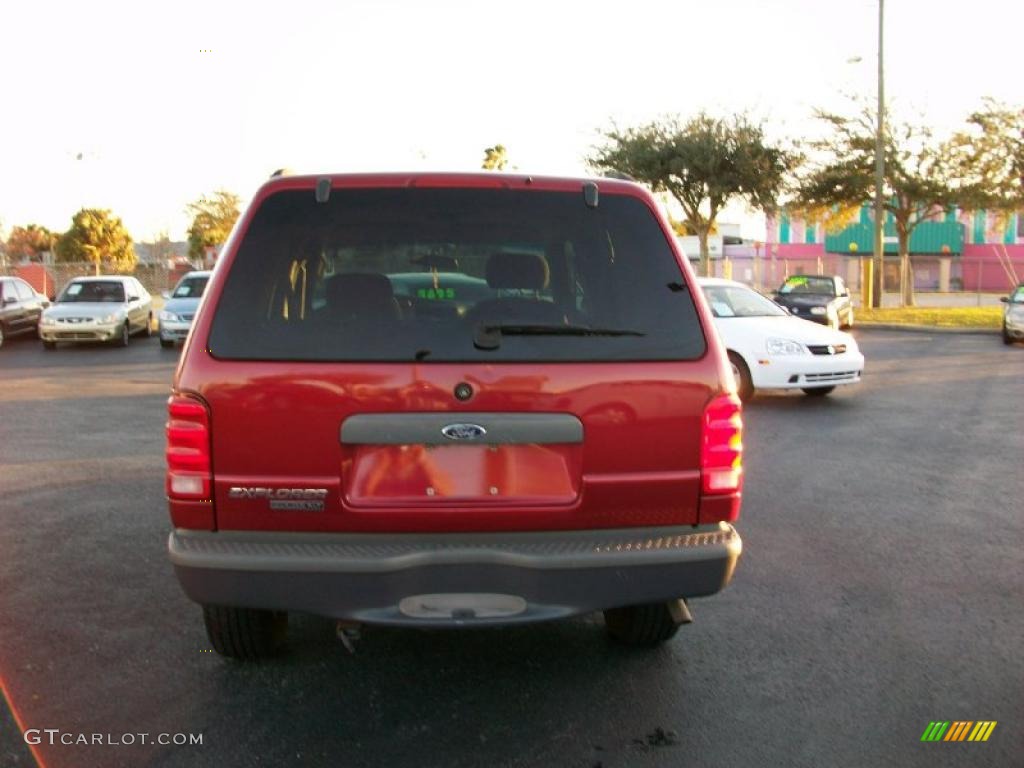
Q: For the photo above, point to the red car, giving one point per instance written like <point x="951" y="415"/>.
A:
<point x="543" y="424"/>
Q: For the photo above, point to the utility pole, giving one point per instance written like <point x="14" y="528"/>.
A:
<point x="879" y="255"/>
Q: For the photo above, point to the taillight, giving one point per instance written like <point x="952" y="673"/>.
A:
<point x="721" y="453"/>
<point x="188" y="449"/>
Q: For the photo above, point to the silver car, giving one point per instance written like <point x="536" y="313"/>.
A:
<point x="101" y="308"/>
<point x="180" y="308"/>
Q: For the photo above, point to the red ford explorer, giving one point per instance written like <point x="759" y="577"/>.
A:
<point x="451" y="400"/>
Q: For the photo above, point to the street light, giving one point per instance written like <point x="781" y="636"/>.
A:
<point x="879" y="255"/>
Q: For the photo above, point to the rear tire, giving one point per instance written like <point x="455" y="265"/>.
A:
<point x="148" y="330"/>
<point x="166" y="343"/>
<point x="744" y="383"/>
<point x="245" y="633"/>
<point x="642" y="626"/>
<point x="817" y="391"/>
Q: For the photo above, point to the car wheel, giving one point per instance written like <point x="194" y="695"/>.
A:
<point x="126" y="332"/>
<point x="148" y="330"/>
<point x="2" y="334"/>
<point x="1006" y="337"/>
<point x="245" y="633"/>
<point x="643" y="626"/>
<point x="817" y="391"/>
<point x="744" y="383"/>
<point x="166" y="343"/>
<point x="49" y="345"/>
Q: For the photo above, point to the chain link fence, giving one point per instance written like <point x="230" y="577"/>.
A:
<point x="50" y="279"/>
<point x="983" y="271"/>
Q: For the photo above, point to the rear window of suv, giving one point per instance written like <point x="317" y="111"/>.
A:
<point x="454" y="275"/>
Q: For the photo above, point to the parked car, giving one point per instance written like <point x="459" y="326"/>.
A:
<point x="1013" y="315"/>
<point x="102" y="308"/>
<point x="568" y="442"/>
<point x="20" y="307"/>
<point x="820" y="299"/>
<point x="176" y="317"/>
<point x="769" y="348"/>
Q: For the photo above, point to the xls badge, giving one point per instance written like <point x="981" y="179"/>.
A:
<point x="285" y="499"/>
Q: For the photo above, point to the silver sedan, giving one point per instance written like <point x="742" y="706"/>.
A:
<point x="101" y="308"/>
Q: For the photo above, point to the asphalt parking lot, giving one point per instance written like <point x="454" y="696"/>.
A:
<point x="882" y="587"/>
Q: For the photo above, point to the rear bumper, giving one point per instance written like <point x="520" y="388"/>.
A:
<point x="454" y="579"/>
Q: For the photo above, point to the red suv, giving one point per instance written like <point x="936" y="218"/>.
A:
<point x="451" y="400"/>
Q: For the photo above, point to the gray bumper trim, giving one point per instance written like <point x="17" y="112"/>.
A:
<point x="425" y="428"/>
<point x="365" y="576"/>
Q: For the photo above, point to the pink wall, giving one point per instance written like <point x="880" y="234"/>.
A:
<point x="982" y="261"/>
<point x="797" y="250"/>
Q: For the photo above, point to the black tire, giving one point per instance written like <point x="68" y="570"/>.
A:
<point x="817" y="391"/>
<point x="126" y="332"/>
<point x="49" y="345"/>
<point x="744" y="384"/>
<point x="167" y="343"/>
<point x="1" y="334"/>
<point x="641" y="626"/>
<point x="245" y="633"/>
<point x="148" y="330"/>
<point x="1006" y="337"/>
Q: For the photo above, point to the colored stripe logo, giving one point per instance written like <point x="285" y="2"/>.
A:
<point x="958" y="730"/>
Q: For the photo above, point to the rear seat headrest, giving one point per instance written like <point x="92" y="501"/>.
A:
<point x="360" y="292"/>
<point x="523" y="271"/>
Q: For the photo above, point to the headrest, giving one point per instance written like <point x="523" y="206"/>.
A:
<point x="524" y="271"/>
<point x="354" y="292"/>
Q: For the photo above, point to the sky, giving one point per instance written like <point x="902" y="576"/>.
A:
<point x="143" y="107"/>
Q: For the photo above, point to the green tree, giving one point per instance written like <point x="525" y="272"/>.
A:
<point x="921" y="180"/>
<point x="989" y="155"/>
<point x="29" y="242"/>
<point x="212" y="220"/>
<point x="495" y="158"/>
<point x="99" y="237"/>
<point x="704" y="163"/>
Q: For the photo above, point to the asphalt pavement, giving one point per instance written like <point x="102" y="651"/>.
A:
<point x="881" y="588"/>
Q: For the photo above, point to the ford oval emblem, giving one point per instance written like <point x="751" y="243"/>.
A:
<point x="463" y="431"/>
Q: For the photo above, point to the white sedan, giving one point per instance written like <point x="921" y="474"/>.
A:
<point x="769" y="348"/>
<point x="102" y="308"/>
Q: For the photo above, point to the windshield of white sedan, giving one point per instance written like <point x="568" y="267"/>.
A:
<point x="93" y="291"/>
<point x="191" y="288"/>
<point x="734" y="301"/>
<point x="455" y="275"/>
<point x="814" y="285"/>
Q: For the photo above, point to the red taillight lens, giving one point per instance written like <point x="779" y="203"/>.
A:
<point x="188" y="449"/>
<point x="721" y="454"/>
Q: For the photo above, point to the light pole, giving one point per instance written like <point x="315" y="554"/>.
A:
<point x="879" y="255"/>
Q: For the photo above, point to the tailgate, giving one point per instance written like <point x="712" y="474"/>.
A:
<point x="315" y="452"/>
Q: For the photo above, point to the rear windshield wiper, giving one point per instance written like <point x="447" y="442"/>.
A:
<point x="487" y="336"/>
